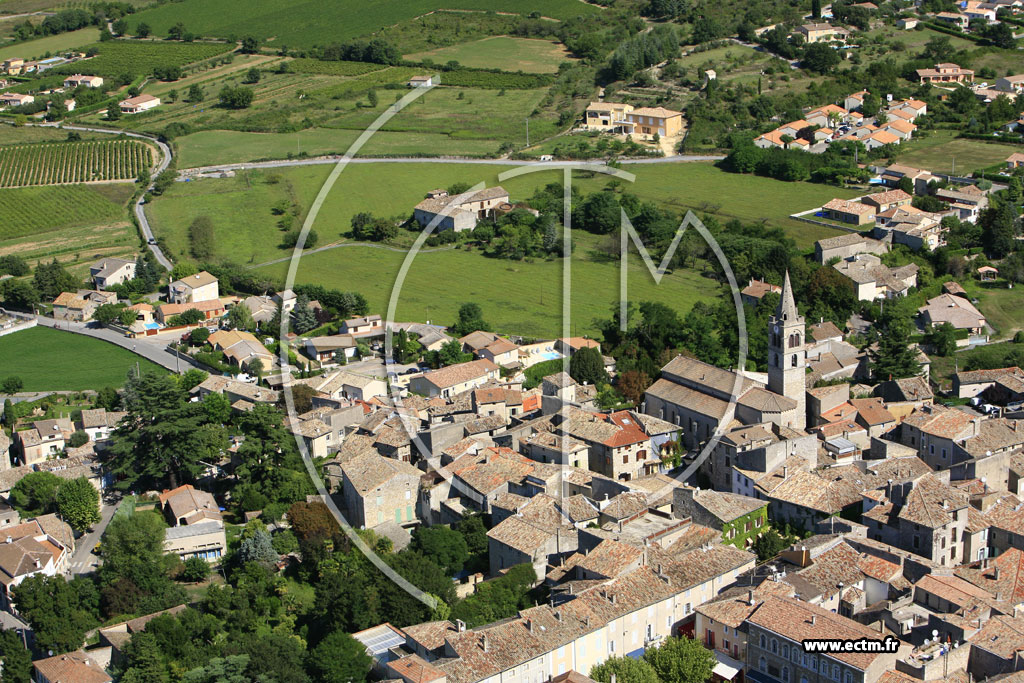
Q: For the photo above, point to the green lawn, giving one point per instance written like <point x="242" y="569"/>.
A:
<point x="502" y="52"/>
<point x="303" y="23"/>
<point x="1000" y="305"/>
<point x="942" y="149"/>
<point x="48" y="359"/>
<point x="520" y="297"/>
<point x="57" y="43"/>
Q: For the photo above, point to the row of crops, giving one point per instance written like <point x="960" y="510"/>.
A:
<point x="33" y="210"/>
<point x="325" y="68"/>
<point x="136" y="58"/>
<point x="72" y="162"/>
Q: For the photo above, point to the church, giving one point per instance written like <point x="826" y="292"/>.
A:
<point x="695" y="395"/>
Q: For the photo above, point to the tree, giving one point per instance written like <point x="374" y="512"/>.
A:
<point x="871" y="105"/>
<point x="16" y="660"/>
<point x="113" y="112"/>
<point x="313" y="525"/>
<point x="190" y="316"/>
<point x="338" y="658"/>
<point x="108" y="398"/>
<point x="12" y="384"/>
<point x="371" y="98"/>
<point x="768" y="545"/>
<point x="942" y="339"/>
<point x="196" y="569"/>
<point x="443" y="545"/>
<point x="240" y="318"/>
<point x="250" y="45"/>
<point x="59" y="611"/>
<point x="471" y="319"/>
<point x="35" y="494"/>
<point x="1000" y="226"/>
<point x="50" y="279"/>
<point x="587" y="366"/>
<point x="681" y="660"/>
<point x="78" y="503"/>
<point x="625" y="670"/>
<point x="176" y="32"/>
<point x="195" y="93"/>
<point x="302" y="396"/>
<point x="146" y="660"/>
<point x="255" y="368"/>
<point x="893" y="356"/>
<point x="108" y="314"/>
<point x="252" y="76"/>
<point x="599" y="213"/>
<point x="160" y="437"/>
<point x="19" y="294"/>
<point x="303" y="317"/>
<point x="451" y="353"/>
<point x="235" y="97"/>
<point x="143" y="30"/>
<point x="133" y="575"/>
<point x="198" y="336"/>
<point x="230" y="669"/>
<point x="816" y="9"/>
<point x="15" y="265"/>
<point x="9" y="417"/>
<point x="820" y="58"/>
<point x="632" y="384"/>
<point x="257" y="547"/>
<point x="192" y="377"/>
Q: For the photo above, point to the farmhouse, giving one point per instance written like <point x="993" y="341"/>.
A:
<point x="854" y="213"/>
<point x="458" y="214"/>
<point x="816" y="33"/>
<point x="79" y="79"/>
<point x="108" y="272"/>
<point x="137" y="105"/>
<point x="13" y="99"/>
<point x="80" y="306"/>
<point x="845" y="246"/>
<point x="958" y="312"/>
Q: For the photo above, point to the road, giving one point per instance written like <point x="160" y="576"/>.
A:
<point x="155" y="351"/>
<point x="83" y="561"/>
<point x="433" y="160"/>
<point x="161" y="166"/>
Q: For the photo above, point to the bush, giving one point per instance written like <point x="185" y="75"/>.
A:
<point x="196" y="569"/>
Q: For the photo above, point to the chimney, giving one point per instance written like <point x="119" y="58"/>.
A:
<point x="750" y="598"/>
<point x="484" y="642"/>
<point x="529" y="625"/>
<point x="586" y="621"/>
<point x="460" y="625"/>
<point x="785" y="471"/>
<point x="813" y="618"/>
<point x="558" y="615"/>
<point x="995" y="574"/>
<point x="9" y="539"/>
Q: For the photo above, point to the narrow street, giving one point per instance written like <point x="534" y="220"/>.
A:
<point x="83" y="561"/>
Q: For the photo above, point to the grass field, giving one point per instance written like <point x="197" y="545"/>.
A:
<point x="305" y="23"/>
<point x="942" y="148"/>
<point x="520" y="297"/>
<point x="48" y="359"/>
<point x="33" y="210"/>
<point x="502" y="52"/>
<point x="20" y="135"/>
<point x="62" y="41"/>
<point x="73" y="162"/>
<point x="246" y="231"/>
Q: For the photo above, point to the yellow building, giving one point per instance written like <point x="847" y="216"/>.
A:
<point x="646" y="122"/>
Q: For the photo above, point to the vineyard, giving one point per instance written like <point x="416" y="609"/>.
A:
<point x="34" y="210"/>
<point x="119" y="57"/>
<point x="72" y="162"/>
<point x="316" y="66"/>
<point x="394" y="75"/>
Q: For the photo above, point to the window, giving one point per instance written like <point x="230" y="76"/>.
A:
<point x="848" y="677"/>
<point x="917" y="541"/>
<point x="835" y="671"/>
<point x="785" y="651"/>
<point x="762" y="664"/>
<point x="611" y="647"/>
<point x="793" y="361"/>
<point x="775" y="647"/>
<point x="625" y="459"/>
<point x="764" y="642"/>
<point x="785" y="674"/>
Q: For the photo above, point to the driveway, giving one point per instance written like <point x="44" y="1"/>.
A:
<point x="84" y="561"/>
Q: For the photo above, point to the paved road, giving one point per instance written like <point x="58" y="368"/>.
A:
<point x="155" y="351"/>
<point x="83" y="561"/>
<point x="161" y="166"/>
<point x="431" y="160"/>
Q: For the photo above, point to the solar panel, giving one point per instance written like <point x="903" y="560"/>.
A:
<point x="380" y="640"/>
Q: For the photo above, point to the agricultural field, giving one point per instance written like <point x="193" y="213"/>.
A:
<point x="118" y="57"/>
<point x="29" y="211"/>
<point x="51" y="44"/>
<point x="534" y="310"/>
<point x="324" y="68"/>
<point x="47" y="359"/>
<point x="942" y="149"/>
<point x="306" y="23"/>
<point x="20" y="135"/>
<point x="502" y="52"/>
<point x="445" y="28"/>
<point x="73" y="162"/>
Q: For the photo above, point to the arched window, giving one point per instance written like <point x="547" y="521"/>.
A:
<point x="848" y="678"/>
<point x="794" y="340"/>
<point x="835" y="671"/>
<point x="785" y="651"/>
<point x="775" y="647"/>
<point x="793" y="362"/>
<point x="762" y="664"/>
<point x="785" y="674"/>
<point x="764" y="642"/>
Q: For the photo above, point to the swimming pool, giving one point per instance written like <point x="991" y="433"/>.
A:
<point x="152" y="326"/>
<point x="551" y="355"/>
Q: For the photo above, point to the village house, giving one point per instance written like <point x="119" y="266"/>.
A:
<point x="211" y="310"/>
<point x="741" y="519"/>
<point x="379" y="490"/>
<point x="45" y="439"/>
<point x="242" y="395"/>
<point x="606" y="116"/>
<point x="99" y="424"/>
<point x="29" y="550"/>
<point x="453" y="213"/>
<point x="138" y="104"/>
<point x="821" y="32"/>
<point x="1014" y="161"/>
<point x="74" y="666"/>
<point x="80" y="80"/>
<point x="195" y="288"/>
<point x="81" y="305"/>
<point x="13" y="66"/>
<point x="327" y="350"/>
<point x="535" y="531"/>
<point x="885" y="201"/>
<point x="646" y="122"/>
<point x="111" y="271"/>
<point x="349" y="385"/>
<point x="958" y="312"/>
<point x="752" y="294"/>
<point x="846" y="245"/>
<point x="946" y="72"/>
<point x="454" y="379"/>
<point x="874" y="280"/>
<point x="13" y="99"/>
<point x="241" y="348"/>
<point x="196" y="524"/>
<point x="1006" y="383"/>
<point x="967" y="200"/>
<point x="845" y="211"/>
<point x="363" y="325"/>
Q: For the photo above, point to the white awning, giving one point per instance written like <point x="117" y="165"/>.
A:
<point x="726" y="667"/>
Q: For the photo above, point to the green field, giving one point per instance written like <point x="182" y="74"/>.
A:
<point x="33" y="210"/>
<point x="48" y="359"/>
<point x="502" y="52"/>
<point x="73" y="162"/>
<point x="520" y="297"/>
<point x="305" y="23"/>
<point x="117" y="57"/>
<point x="50" y="44"/>
<point x="941" y="149"/>
<point x="20" y="135"/>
